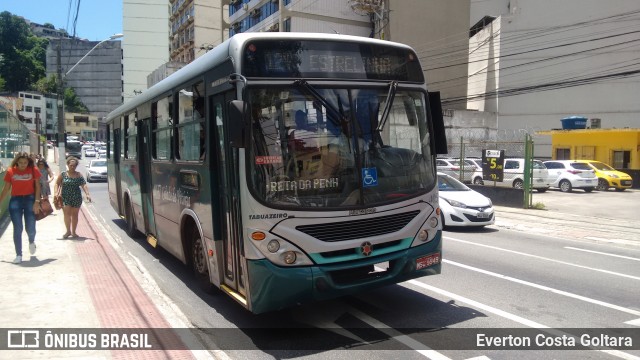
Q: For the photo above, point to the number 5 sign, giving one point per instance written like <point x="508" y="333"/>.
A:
<point x="492" y="165"/>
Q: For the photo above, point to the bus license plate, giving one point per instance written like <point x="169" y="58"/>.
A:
<point x="426" y="261"/>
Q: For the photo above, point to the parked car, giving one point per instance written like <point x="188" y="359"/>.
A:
<point x="570" y="174"/>
<point x="97" y="170"/>
<point x="461" y="206"/>
<point x="514" y="175"/>
<point x="609" y="177"/>
<point x="452" y="167"/>
<point x="477" y="162"/>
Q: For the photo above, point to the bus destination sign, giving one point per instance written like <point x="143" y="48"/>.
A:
<point x="311" y="59"/>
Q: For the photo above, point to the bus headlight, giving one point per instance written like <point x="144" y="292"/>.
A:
<point x="273" y="246"/>
<point x="289" y="257"/>
<point x="423" y="235"/>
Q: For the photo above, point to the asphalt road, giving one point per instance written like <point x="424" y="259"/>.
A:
<point x="496" y="278"/>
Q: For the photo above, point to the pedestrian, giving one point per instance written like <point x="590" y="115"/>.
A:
<point x="45" y="179"/>
<point x="68" y="186"/>
<point x="22" y="178"/>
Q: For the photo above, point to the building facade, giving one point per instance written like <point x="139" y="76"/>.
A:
<point x="97" y="79"/>
<point x="328" y="16"/>
<point x="39" y="113"/>
<point x="196" y="26"/>
<point x="534" y="62"/>
<point x="84" y="126"/>
<point x="438" y="31"/>
<point x="145" y="45"/>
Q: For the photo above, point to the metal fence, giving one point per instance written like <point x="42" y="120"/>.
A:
<point x="518" y="165"/>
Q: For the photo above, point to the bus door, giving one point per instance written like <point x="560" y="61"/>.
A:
<point x="225" y="198"/>
<point x="146" y="192"/>
<point x="116" y="141"/>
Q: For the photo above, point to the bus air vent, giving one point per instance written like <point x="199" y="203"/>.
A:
<point x="358" y="229"/>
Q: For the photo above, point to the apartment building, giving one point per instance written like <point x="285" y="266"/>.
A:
<point x="329" y="16"/>
<point x="196" y="26"/>
<point x="39" y="113"/>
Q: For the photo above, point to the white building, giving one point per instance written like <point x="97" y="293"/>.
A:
<point x="145" y="44"/>
<point x="39" y="113"/>
<point x="539" y="61"/>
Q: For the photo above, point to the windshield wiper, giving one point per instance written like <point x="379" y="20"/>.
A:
<point x="335" y="113"/>
<point x="393" y="86"/>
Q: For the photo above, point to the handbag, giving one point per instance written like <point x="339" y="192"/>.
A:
<point x="45" y="209"/>
<point x="57" y="202"/>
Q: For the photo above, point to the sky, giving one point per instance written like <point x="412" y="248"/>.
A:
<point x="97" y="19"/>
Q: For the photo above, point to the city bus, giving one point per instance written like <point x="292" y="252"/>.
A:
<point x="285" y="168"/>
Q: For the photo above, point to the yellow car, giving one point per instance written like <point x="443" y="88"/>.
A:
<point x="608" y="176"/>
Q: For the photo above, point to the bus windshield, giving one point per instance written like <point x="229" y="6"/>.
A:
<point x="330" y="147"/>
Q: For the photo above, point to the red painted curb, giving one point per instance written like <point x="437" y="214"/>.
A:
<point x="119" y="301"/>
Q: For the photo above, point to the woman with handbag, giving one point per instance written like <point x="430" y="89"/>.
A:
<point x="68" y="187"/>
<point x="22" y="179"/>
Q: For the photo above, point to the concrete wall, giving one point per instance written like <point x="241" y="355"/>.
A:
<point x="501" y="196"/>
<point x="438" y="31"/>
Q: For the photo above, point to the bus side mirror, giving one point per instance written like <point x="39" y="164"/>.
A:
<point x="236" y="123"/>
<point x="438" y="123"/>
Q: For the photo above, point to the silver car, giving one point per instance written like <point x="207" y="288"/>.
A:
<point x="97" y="170"/>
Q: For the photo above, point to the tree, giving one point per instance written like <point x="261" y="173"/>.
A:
<point x="71" y="101"/>
<point x="23" y="54"/>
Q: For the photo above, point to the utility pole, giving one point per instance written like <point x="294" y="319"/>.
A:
<point x="61" y="120"/>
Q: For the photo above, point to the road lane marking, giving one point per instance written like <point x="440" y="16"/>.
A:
<point x="479" y="305"/>
<point x="507" y="315"/>
<point x="545" y="288"/>
<point x="635" y="322"/>
<point x="545" y="258"/>
<point x="415" y="345"/>
<point x="602" y="253"/>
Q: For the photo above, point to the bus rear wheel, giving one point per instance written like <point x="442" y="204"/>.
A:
<point x="199" y="263"/>
<point x="130" y="221"/>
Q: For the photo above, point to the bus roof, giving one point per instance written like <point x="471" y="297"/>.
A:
<point x="232" y="47"/>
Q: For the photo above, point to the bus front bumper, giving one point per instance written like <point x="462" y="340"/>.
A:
<point x="274" y="287"/>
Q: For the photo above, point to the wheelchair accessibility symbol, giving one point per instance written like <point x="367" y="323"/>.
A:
<point x="369" y="177"/>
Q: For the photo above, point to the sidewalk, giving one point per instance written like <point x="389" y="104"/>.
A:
<point x="77" y="283"/>
<point x="570" y="226"/>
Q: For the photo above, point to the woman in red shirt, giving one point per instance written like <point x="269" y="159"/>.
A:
<point x="22" y="178"/>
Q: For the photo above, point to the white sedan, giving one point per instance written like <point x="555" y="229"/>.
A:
<point x="462" y="206"/>
<point x="90" y="152"/>
<point x="97" y="170"/>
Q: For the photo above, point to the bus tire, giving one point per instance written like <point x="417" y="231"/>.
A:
<point x="199" y="263"/>
<point x="130" y="221"/>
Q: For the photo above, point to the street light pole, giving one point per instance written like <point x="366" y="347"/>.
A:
<point x="61" y="119"/>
